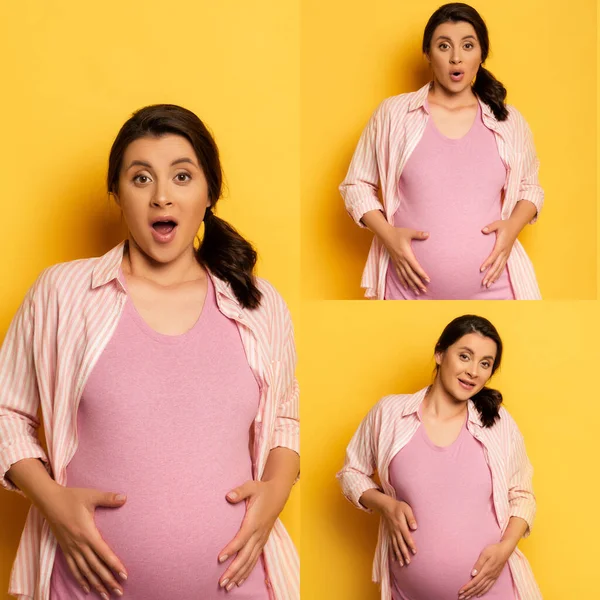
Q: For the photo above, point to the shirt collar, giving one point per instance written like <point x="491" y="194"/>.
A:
<point x="414" y="402"/>
<point x="420" y="98"/>
<point x="107" y="270"/>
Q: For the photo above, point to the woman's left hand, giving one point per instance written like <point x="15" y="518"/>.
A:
<point x="486" y="571"/>
<point x="264" y="503"/>
<point x="506" y="235"/>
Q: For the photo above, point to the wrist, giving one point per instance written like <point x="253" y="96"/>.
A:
<point x="508" y="547"/>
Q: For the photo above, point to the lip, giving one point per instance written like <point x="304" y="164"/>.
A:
<point x="460" y="75"/>
<point x="469" y="386"/>
<point x="164" y="238"/>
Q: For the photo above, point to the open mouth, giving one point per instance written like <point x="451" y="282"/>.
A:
<point x="164" y="227"/>
<point x="467" y="385"/>
<point x="456" y="75"/>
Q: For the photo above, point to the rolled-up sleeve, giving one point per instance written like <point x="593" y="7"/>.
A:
<point x="286" y="433"/>
<point x="529" y="188"/>
<point x="356" y="476"/>
<point x="360" y="188"/>
<point x="19" y="396"/>
<point x="520" y="493"/>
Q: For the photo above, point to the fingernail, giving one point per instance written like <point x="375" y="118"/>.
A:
<point x="414" y="551"/>
<point x="408" y="561"/>
<point x="474" y="572"/>
<point x="486" y="229"/>
<point x="240" y="583"/>
<point x="117" y="591"/>
<point x="232" y="495"/>
<point x="401" y="563"/>
<point x="123" y="575"/>
<point x="86" y="589"/>
<point x="230" y="586"/>
<point x="413" y="525"/>
<point x="104" y="595"/>
<point x="223" y="558"/>
<point x="423" y="290"/>
<point x="224" y="582"/>
<point x="427" y="280"/>
<point x="120" y="497"/>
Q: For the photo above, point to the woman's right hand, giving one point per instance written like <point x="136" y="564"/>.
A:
<point x="397" y="241"/>
<point x="399" y="520"/>
<point x="70" y="514"/>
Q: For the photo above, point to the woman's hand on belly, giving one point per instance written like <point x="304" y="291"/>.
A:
<point x="264" y="504"/>
<point x="399" y="520"/>
<point x="397" y="241"/>
<point x="70" y="514"/>
<point x="506" y="236"/>
<point x="487" y="569"/>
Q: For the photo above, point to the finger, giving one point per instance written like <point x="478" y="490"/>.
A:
<point x="77" y="573"/>
<point x="107" y="499"/>
<point x="237" y="543"/>
<point x="88" y="573"/>
<point x="242" y="492"/>
<point x="401" y="277"/>
<point x="417" y="268"/>
<point x="104" y="551"/>
<point x="397" y="553"/>
<point x="478" y="574"/>
<point x="416" y="280"/>
<point x="411" y="284"/>
<point x="492" y="227"/>
<point x="478" y="588"/>
<point x="408" y="539"/>
<point x="102" y="571"/>
<point x="245" y="571"/>
<point x="486" y="589"/>
<point x="499" y="268"/>
<point x="415" y="234"/>
<point x="489" y="260"/>
<point x="403" y="548"/>
<point x="238" y="563"/>
<point x="494" y="271"/>
<point x="410" y="517"/>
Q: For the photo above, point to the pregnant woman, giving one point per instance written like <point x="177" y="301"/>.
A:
<point x="458" y="175"/>
<point x="455" y="495"/>
<point x="164" y="371"/>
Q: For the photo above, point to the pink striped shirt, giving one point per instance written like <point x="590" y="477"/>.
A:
<point x="390" y="425"/>
<point x="58" y="334"/>
<point x="385" y="146"/>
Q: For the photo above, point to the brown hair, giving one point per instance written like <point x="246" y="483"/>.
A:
<point x="223" y="250"/>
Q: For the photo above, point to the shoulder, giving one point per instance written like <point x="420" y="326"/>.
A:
<point x="395" y="106"/>
<point x="515" y="121"/>
<point x="70" y="277"/>
<point x="392" y="405"/>
<point x="506" y="426"/>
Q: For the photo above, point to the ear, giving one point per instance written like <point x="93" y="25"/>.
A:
<point x="438" y="358"/>
<point x="116" y="199"/>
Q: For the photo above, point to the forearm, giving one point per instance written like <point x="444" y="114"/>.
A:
<point x="514" y="532"/>
<point x="281" y="471"/>
<point x="32" y="478"/>
<point x="375" y="500"/>
<point x="522" y="214"/>
<point x="376" y="222"/>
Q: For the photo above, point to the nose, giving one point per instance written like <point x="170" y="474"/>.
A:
<point x="455" y="58"/>
<point x="160" y="198"/>
<point x="472" y="371"/>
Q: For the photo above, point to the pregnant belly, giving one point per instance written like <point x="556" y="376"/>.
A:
<point x="452" y="258"/>
<point x="169" y="535"/>
<point x="443" y="564"/>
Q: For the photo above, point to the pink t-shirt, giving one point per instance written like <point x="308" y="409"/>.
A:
<point x="450" y="491"/>
<point x="452" y="188"/>
<point x="166" y="420"/>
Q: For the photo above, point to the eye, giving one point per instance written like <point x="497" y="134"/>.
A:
<point x="444" y="46"/>
<point x="141" y="179"/>
<point x="183" y="177"/>
<point x="469" y="46"/>
<point x="485" y="364"/>
<point x="464" y="356"/>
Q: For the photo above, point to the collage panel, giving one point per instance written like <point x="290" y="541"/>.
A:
<point x="428" y="169"/>
<point x="369" y="392"/>
<point x="161" y="369"/>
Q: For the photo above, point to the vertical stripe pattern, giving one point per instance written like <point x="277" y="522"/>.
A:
<point x="386" y="144"/>
<point x="52" y="345"/>
<point x="390" y="425"/>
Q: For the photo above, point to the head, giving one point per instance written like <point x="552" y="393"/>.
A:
<point x="467" y="354"/>
<point x="165" y="174"/>
<point x="456" y="44"/>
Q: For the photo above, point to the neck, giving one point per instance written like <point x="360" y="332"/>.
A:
<point x="440" y="404"/>
<point x="442" y="95"/>
<point x="182" y="269"/>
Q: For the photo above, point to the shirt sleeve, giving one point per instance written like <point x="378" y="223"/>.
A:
<point x="286" y="433"/>
<point x="19" y="395"/>
<point x="529" y="188"/>
<point x="520" y="489"/>
<point x="360" y="188"/>
<point x="356" y="476"/>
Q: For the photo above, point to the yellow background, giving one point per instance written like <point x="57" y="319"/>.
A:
<point x="72" y="72"/>
<point x="356" y="53"/>
<point x="353" y="353"/>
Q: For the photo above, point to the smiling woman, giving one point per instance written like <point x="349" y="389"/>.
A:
<point x="458" y="174"/>
<point x="172" y="438"/>
<point x="451" y="440"/>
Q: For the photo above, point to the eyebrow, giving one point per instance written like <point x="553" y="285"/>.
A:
<point x="445" y="37"/>
<point x="471" y="352"/>
<point x="142" y="163"/>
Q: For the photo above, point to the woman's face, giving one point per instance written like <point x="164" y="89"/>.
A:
<point x="466" y="366"/>
<point x="455" y="56"/>
<point x="163" y="195"/>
